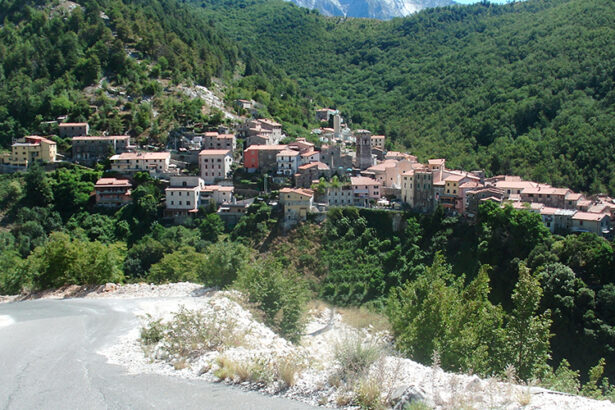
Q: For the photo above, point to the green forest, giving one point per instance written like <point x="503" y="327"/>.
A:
<point x="525" y="88"/>
<point x="118" y="64"/>
<point x="498" y="294"/>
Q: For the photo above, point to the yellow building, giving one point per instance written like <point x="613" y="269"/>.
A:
<point x="31" y="149"/>
<point x="377" y="141"/>
<point x="297" y="203"/>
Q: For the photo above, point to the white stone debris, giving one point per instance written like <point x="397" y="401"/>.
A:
<point x="396" y="377"/>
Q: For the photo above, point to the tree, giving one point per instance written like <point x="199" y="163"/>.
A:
<point x="183" y="265"/>
<point x="38" y="189"/>
<point x="527" y="331"/>
<point x="211" y="227"/>
<point x="62" y="261"/>
<point x="71" y="190"/>
<point x="13" y="275"/>
<point x="142" y="256"/>
<point x="436" y="313"/>
<point x="279" y="293"/>
<point x="224" y="262"/>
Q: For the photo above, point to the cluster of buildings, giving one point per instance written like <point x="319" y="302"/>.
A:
<point x="367" y="175"/>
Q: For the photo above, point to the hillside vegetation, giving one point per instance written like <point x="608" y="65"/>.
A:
<point x="116" y="63"/>
<point x="524" y="88"/>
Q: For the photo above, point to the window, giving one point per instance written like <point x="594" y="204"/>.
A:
<point x="180" y="202"/>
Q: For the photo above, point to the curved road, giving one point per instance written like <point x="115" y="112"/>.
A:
<point x="48" y="360"/>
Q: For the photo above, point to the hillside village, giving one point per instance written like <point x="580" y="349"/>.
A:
<point x="345" y="168"/>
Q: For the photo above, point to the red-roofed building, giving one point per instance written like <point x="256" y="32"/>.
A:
<point x="129" y="162"/>
<point x="261" y="158"/>
<point x="73" y="129"/>
<point x="217" y="194"/>
<point x="310" y="172"/>
<point x="301" y="145"/>
<point x="600" y="224"/>
<point x="261" y="132"/>
<point x="183" y="196"/>
<point x="297" y="203"/>
<point x="288" y="162"/>
<point x="112" y="192"/>
<point x="452" y="197"/>
<point x="213" y="140"/>
<point x="215" y="164"/>
<point x="30" y="149"/>
<point x="545" y="194"/>
<point x="365" y="188"/>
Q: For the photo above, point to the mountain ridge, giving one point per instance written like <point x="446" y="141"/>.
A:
<point x="377" y="9"/>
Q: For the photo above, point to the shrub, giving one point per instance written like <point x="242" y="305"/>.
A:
<point x="153" y="332"/>
<point x="224" y="261"/>
<point x="183" y="265"/>
<point x="13" y="276"/>
<point x="189" y="334"/>
<point x="355" y="357"/>
<point x="281" y="295"/>
<point x="63" y="261"/>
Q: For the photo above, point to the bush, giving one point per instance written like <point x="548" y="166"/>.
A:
<point x="355" y="357"/>
<point x="63" y="261"/>
<point x="189" y="334"/>
<point x="224" y="261"/>
<point x="281" y="295"/>
<point x="183" y="265"/>
<point x="13" y="275"/>
<point x="153" y="332"/>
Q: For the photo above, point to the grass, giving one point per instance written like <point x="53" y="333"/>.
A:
<point x="355" y="356"/>
<point x="362" y="318"/>
<point x="287" y="370"/>
<point x="369" y="395"/>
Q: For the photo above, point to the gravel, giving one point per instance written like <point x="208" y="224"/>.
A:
<point x="397" y="378"/>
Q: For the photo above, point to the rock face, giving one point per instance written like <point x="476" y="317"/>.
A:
<point x="378" y="9"/>
<point x="404" y="396"/>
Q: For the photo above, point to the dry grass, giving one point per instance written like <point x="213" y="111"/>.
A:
<point x="180" y="364"/>
<point x="344" y="399"/>
<point x="256" y="370"/>
<point x="227" y="368"/>
<point x="287" y="370"/>
<point x="369" y="394"/>
<point x="524" y="396"/>
<point x="361" y="318"/>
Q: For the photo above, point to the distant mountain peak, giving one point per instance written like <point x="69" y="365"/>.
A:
<point x="378" y="9"/>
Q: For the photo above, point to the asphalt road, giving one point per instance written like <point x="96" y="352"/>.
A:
<point x="48" y="360"/>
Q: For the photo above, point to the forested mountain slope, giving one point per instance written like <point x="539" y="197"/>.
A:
<point x="523" y="88"/>
<point x="116" y="63"/>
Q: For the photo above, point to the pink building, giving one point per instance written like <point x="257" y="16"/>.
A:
<point x="365" y="188"/>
